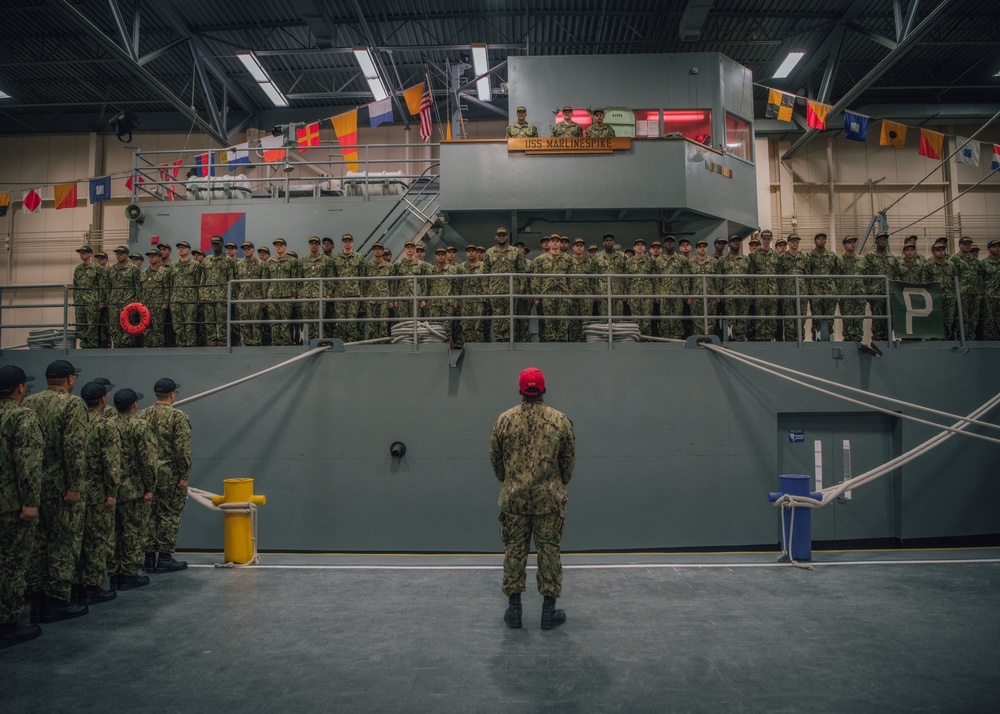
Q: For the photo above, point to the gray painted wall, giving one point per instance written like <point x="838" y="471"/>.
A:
<point x="675" y="447"/>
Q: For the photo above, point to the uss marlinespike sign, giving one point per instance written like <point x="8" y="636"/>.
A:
<point x="569" y="145"/>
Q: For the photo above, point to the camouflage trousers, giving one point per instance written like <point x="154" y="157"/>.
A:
<point x="825" y="308"/>
<point x="87" y="317"/>
<point x="791" y="323"/>
<point x="354" y="330"/>
<point x="501" y="327"/>
<point x="311" y="310"/>
<point x="252" y="334"/>
<point x="950" y="321"/>
<point x="880" y="326"/>
<point x="103" y="331"/>
<point x="376" y="309"/>
<point x="970" y="315"/>
<point x="98" y="546"/>
<point x="282" y="331"/>
<point x="472" y="329"/>
<point x="155" y="336"/>
<point x="737" y="327"/>
<point x="550" y="327"/>
<point x="131" y="524"/>
<point x="854" y="330"/>
<point x="642" y="311"/>
<point x="119" y="338"/>
<point x="671" y="310"/>
<point x="215" y="323"/>
<point x="516" y="530"/>
<point x="185" y="316"/>
<point x="165" y="518"/>
<point x="764" y="330"/>
<point x="52" y="567"/>
<point x="16" y="537"/>
<point x="991" y="318"/>
<point x="578" y="308"/>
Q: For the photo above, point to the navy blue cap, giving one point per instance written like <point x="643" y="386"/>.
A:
<point x="125" y="398"/>
<point x="12" y="376"/>
<point x="60" y="369"/>
<point x="165" y="386"/>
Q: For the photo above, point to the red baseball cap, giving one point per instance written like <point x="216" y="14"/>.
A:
<point x="532" y="382"/>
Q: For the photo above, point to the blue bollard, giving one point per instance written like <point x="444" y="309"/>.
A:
<point x="799" y="532"/>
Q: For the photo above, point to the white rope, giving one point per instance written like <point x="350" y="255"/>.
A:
<point x="205" y="499"/>
<point x="786" y="539"/>
<point x="620" y="331"/>
<point x="241" y="380"/>
<point x="402" y="332"/>
<point x="741" y="358"/>
<point x="650" y="338"/>
<point x="855" y="390"/>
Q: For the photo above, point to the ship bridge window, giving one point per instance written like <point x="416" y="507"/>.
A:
<point x="693" y="124"/>
<point x="738" y="135"/>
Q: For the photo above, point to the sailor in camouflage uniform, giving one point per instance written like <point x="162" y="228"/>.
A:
<point x="282" y="271"/>
<point x="522" y="128"/>
<point x="702" y="306"/>
<point x="792" y="263"/>
<point x="122" y="289"/>
<point x="439" y="288"/>
<point x="172" y="430"/>
<point x="880" y="264"/>
<point x="21" y="475"/>
<point x="599" y="129"/>
<point x="409" y="265"/>
<point x="736" y="266"/>
<point x="674" y="287"/>
<point x="348" y="264"/>
<point x="970" y="286"/>
<point x="63" y="419"/>
<point x="826" y="263"/>
<point x="764" y="261"/>
<point x="991" y="291"/>
<point x="641" y="269"/>
<point x="103" y="474"/>
<point x="135" y="492"/>
<point x="154" y="293"/>
<point x="610" y="262"/>
<point x="579" y="282"/>
<point x="550" y="279"/>
<point x="219" y="270"/>
<point x="532" y="451"/>
<point x="188" y="277"/>
<point x="910" y="268"/>
<point x="503" y="258"/>
<point x="314" y="266"/>
<point x="852" y="268"/>
<point x="567" y="127"/>
<point x="250" y="268"/>
<point x="87" y="278"/>
<point x="103" y="329"/>
<point x="378" y="292"/>
<point x="940" y="269"/>
<point x="471" y="329"/>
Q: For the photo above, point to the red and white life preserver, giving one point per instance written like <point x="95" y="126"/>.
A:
<point x="134" y="318"/>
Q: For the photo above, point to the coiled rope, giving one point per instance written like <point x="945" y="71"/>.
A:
<point x="402" y="332"/>
<point x="620" y="331"/>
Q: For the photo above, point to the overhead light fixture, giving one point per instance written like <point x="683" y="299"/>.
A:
<point x="481" y="66"/>
<point x="788" y="65"/>
<point x="260" y="75"/>
<point x="123" y="124"/>
<point x="4" y="95"/>
<point x="367" y="64"/>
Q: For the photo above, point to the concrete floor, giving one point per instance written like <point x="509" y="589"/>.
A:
<point x="893" y="631"/>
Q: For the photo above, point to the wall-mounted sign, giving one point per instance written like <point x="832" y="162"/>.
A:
<point x="796" y="436"/>
<point x="569" y="145"/>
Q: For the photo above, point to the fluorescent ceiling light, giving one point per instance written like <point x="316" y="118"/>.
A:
<point x="481" y="66"/>
<point x="4" y="95"/>
<point x="367" y="64"/>
<point x="263" y="79"/>
<point x="788" y="65"/>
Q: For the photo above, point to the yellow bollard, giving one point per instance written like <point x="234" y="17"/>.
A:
<point x="238" y="524"/>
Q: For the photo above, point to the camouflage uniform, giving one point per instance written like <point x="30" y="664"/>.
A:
<point x="349" y="265"/>
<point x="910" y="272"/>
<point x="189" y="275"/>
<point x="532" y="450"/>
<point x="943" y="273"/>
<point x="103" y="474"/>
<point x="154" y="293"/>
<point x="579" y="285"/>
<point x="699" y="289"/>
<point x="991" y="298"/>
<point x="765" y="262"/>
<point x="404" y="288"/>
<point x="63" y="419"/>
<point x="825" y="264"/>
<point x="852" y="284"/>
<point x="736" y="268"/>
<point x="610" y="264"/>
<point x="103" y="322"/>
<point x="641" y="283"/>
<point x="219" y="270"/>
<point x="21" y="477"/>
<point x="472" y="329"/>
<point x="885" y="266"/>
<point x="87" y="281"/>
<point x="970" y="286"/>
<point x="791" y="265"/>
<point x="250" y="270"/>
<point x="600" y="132"/>
<point x="172" y="430"/>
<point x="518" y="131"/>
<point x="497" y="261"/>
<point x="556" y="284"/>
<point x="563" y="129"/>
<point x="378" y="293"/>
<point x="122" y="289"/>
<point x="312" y="306"/>
<point x="132" y="512"/>
<point x="674" y="290"/>
<point x="282" y="329"/>
<point x="440" y="289"/>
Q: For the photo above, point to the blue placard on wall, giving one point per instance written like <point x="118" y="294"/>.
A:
<point x="796" y="436"/>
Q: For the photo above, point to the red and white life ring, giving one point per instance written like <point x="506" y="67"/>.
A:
<point x="134" y="318"/>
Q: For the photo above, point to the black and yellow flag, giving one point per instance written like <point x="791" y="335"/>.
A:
<point x="779" y="105"/>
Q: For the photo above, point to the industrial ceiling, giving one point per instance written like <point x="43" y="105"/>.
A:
<point x="73" y="65"/>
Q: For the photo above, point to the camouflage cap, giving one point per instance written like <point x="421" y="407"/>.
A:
<point x="567" y="108"/>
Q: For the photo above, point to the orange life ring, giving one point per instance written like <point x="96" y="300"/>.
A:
<point x="134" y="318"/>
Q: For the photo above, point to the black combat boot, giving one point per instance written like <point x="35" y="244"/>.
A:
<point x="169" y="564"/>
<point x="551" y="617"/>
<point x="15" y="633"/>
<point x="149" y="564"/>
<point x="54" y="610"/>
<point x="94" y="594"/>
<point x="75" y="593"/>
<point x="131" y="582"/>
<point x="34" y="601"/>
<point x="513" y="614"/>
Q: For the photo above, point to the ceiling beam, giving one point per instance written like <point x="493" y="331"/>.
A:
<point x="877" y="71"/>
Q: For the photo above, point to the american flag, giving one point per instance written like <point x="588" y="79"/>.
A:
<point x="425" y="115"/>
